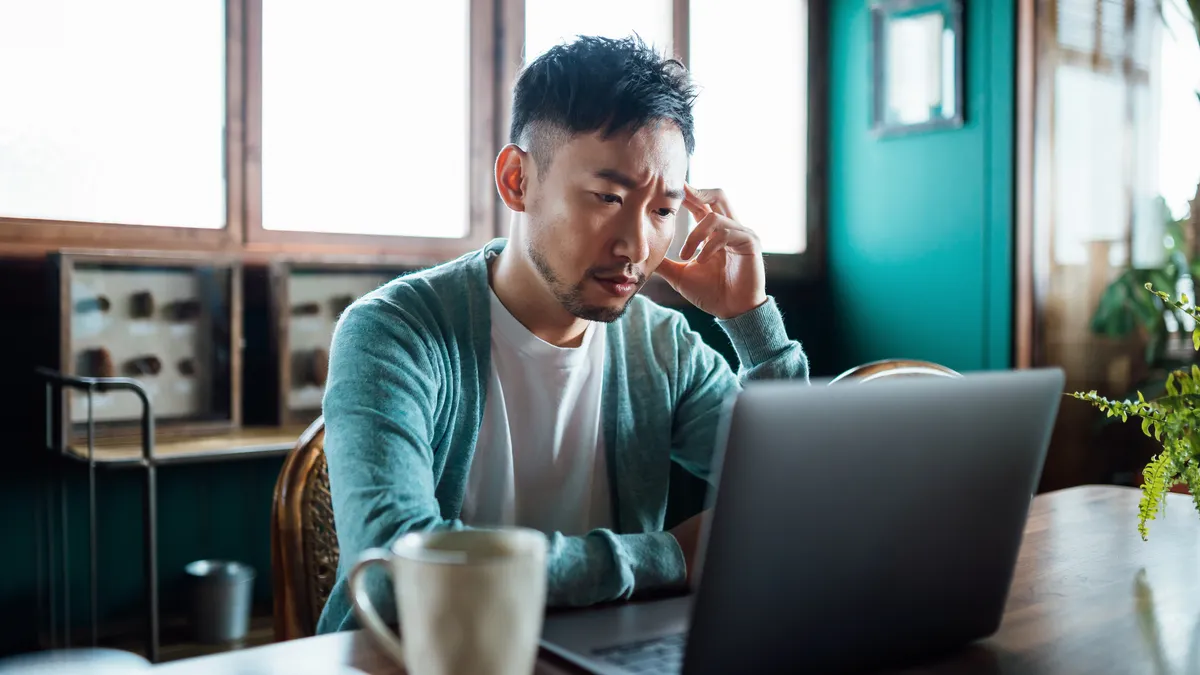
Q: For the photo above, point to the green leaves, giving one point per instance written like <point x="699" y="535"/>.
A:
<point x="1173" y="420"/>
<point x="1155" y="487"/>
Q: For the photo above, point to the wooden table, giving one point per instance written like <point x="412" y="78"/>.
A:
<point x="1089" y="596"/>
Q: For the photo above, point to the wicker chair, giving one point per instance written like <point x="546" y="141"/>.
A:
<point x="304" y="548"/>
<point x="869" y="372"/>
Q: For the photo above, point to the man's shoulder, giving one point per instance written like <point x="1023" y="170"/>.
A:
<point x="444" y="282"/>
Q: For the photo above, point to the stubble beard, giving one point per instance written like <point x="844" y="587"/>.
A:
<point x="571" y="297"/>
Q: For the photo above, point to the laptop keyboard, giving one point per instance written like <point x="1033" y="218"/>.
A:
<point x="659" y="655"/>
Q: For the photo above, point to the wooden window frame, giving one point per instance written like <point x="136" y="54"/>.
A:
<point x="804" y="266"/>
<point x="497" y="41"/>
<point x="482" y="152"/>
<point x="23" y="237"/>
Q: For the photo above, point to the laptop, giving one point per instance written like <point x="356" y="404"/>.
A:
<point x="854" y="527"/>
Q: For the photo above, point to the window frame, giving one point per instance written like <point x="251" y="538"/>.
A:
<point x="810" y="263"/>
<point x="33" y="236"/>
<point x="481" y="143"/>
<point x="497" y="41"/>
<point x="806" y="265"/>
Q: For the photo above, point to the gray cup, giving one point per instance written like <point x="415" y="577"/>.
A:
<point x="221" y="592"/>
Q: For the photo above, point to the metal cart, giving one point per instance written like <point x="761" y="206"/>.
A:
<point x="148" y="460"/>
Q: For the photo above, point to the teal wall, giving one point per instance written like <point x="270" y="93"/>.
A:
<point x="920" y="232"/>
<point x="205" y="511"/>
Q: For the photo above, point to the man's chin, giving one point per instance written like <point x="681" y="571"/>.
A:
<point x="601" y="313"/>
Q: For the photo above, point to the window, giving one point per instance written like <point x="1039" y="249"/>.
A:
<point x="550" y="22"/>
<point x="366" y="120"/>
<point x="359" y="127"/>
<point x="751" y="115"/>
<point x="113" y="112"/>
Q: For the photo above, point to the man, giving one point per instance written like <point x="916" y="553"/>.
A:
<point x="528" y="383"/>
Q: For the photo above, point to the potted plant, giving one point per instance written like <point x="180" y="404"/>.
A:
<point x="1172" y="419"/>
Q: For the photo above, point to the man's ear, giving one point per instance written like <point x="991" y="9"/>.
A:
<point x="512" y="174"/>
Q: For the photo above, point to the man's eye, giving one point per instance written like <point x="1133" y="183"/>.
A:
<point x="666" y="213"/>
<point x="608" y="199"/>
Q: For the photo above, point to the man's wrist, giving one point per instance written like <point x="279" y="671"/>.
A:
<point x="757" y="302"/>
<point x="757" y="335"/>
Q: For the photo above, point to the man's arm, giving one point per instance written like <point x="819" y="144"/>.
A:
<point x="764" y="353"/>
<point x="382" y="411"/>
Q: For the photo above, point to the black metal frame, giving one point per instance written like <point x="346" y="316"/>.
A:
<point x="55" y="442"/>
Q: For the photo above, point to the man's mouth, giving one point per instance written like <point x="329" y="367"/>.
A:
<point x="619" y="286"/>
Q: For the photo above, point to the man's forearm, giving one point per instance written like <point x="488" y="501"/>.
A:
<point x="763" y="348"/>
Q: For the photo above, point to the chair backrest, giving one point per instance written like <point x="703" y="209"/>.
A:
<point x="304" y="548"/>
<point x="876" y="370"/>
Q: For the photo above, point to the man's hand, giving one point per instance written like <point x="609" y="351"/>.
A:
<point x="727" y="278"/>
<point x="688" y="535"/>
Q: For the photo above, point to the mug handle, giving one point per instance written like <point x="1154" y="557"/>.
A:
<point x="365" y="610"/>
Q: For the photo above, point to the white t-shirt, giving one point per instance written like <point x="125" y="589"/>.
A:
<point x="540" y="459"/>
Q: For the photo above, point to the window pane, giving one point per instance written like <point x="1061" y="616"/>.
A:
<point x="1091" y="201"/>
<point x="751" y="120"/>
<point x="550" y="22"/>
<point x="365" y="117"/>
<point x="113" y="111"/>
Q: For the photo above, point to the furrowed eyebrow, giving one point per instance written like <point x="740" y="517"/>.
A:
<point x="627" y="182"/>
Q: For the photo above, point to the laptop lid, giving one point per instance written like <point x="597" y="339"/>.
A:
<point x="866" y="525"/>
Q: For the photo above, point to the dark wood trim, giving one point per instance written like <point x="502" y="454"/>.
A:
<point x="280" y="337"/>
<point x="252" y="116"/>
<point x="811" y="264"/>
<point x="1045" y="61"/>
<point x="681" y="30"/>
<point x="1026" y="74"/>
<point x="484" y="145"/>
<point x="681" y="43"/>
<point x="235" y="119"/>
<point x="236" y="342"/>
<point x="66" y="364"/>
<point x="510" y="59"/>
<point x="30" y="237"/>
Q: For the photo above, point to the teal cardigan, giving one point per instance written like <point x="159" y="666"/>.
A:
<point x="408" y="373"/>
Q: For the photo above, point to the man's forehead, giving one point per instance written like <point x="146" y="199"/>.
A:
<point x="651" y="150"/>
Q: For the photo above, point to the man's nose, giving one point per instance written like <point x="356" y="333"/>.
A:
<point x="633" y="241"/>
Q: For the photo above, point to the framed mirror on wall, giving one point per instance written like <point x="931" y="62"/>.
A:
<point x="917" y="66"/>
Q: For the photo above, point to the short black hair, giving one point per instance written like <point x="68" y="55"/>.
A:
<point x="599" y="84"/>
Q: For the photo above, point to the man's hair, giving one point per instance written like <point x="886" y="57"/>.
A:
<point x="598" y="84"/>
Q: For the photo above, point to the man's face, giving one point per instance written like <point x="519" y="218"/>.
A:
<point x="601" y="217"/>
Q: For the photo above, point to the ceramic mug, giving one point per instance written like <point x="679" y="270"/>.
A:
<point x="469" y="601"/>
